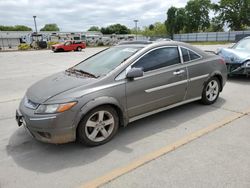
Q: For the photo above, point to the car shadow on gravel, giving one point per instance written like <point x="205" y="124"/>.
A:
<point x="47" y="158"/>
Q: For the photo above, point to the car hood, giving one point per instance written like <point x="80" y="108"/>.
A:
<point x="234" y="55"/>
<point x="57" y="45"/>
<point x="54" y="85"/>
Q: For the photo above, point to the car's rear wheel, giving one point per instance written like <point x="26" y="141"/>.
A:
<point x="211" y="91"/>
<point x="98" y="126"/>
<point x="79" y="49"/>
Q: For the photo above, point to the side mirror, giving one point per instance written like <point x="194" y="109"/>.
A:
<point x="134" y="73"/>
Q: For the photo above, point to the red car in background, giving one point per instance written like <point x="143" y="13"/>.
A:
<point x="69" y="46"/>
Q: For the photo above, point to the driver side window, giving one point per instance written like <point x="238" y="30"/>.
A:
<point x="158" y="58"/>
<point x="67" y="43"/>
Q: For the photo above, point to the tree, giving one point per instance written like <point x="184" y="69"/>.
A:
<point x="156" y="29"/>
<point x="15" y="28"/>
<point x="50" y="27"/>
<point x="216" y="25"/>
<point x="171" y="20"/>
<point x="235" y="13"/>
<point x="180" y="20"/>
<point x="197" y="15"/>
<point x="94" y="28"/>
<point x="115" y="29"/>
<point x="175" y="22"/>
<point x="151" y="27"/>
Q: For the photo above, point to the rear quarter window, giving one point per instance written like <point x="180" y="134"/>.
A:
<point x="189" y="55"/>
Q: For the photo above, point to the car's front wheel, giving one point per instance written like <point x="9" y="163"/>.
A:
<point x="98" y="126"/>
<point x="211" y="91"/>
<point x="79" y="49"/>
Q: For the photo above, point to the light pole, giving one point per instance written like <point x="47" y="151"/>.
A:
<point x="35" y="23"/>
<point x="136" y="21"/>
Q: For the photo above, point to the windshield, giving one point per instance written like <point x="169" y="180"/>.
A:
<point x="107" y="60"/>
<point x="243" y="45"/>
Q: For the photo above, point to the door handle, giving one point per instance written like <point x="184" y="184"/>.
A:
<point x="178" y="72"/>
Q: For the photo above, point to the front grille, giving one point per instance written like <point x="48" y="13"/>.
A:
<point x="30" y="104"/>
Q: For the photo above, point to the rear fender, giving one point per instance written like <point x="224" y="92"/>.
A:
<point x="219" y="76"/>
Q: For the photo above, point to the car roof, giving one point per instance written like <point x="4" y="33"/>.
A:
<point x="145" y="42"/>
<point x="155" y="44"/>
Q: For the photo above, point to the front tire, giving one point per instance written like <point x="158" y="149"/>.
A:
<point x="211" y="91"/>
<point x="98" y="126"/>
<point x="78" y="49"/>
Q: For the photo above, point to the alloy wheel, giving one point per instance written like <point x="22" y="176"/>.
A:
<point x="99" y="126"/>
<point x="212" y="90"/>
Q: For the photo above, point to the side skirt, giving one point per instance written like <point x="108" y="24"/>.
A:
<point x="162" y="109"/>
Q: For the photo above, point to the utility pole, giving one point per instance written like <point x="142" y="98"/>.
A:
<point x="136" y="21"/>
<point x="35" y="23"/>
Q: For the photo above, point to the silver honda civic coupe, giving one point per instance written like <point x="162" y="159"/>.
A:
<point x="91" y="100"/>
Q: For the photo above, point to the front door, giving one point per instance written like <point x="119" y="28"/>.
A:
<point x="164" y="81"/>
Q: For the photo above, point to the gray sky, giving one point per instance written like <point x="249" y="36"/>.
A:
<point x="79" y="15"/>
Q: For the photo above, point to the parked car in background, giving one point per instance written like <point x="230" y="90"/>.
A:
<point x="69" y="46"/>
<point x="119" y="85"/>
<point x="237" y="58"/>
<point x="163" y="39"/>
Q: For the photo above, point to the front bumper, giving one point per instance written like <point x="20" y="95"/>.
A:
<point x="54" y="128"/>
<point x="237" y="69"/>
<point x="53" y="49"/>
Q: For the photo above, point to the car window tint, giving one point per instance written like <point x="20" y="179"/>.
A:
<point x="243" y="44"/>
<point x="67" y="43"/>
<point x="193" y="55"/>
<point x="185" y="54"/>
<point x="159" y="58"/>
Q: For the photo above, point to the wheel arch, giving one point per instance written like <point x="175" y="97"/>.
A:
<point x="103" y="101"/>
<point x="217" y="75"/>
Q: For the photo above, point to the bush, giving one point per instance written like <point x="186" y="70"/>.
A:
<point x="24" y="47"/>
<point x="50" y="43"/>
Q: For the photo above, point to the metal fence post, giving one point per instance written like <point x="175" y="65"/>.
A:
<point x="2" y="42"/>
<point x="216" y="36"/>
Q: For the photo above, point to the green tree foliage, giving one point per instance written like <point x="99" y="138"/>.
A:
<point x="235" y="13"/>
<point x="50" y="27"/>
<point x="171" y="20"/>
<point x="156" y="29"/>
<point x="151" y="27"/>
<point x="216" y="25"/>
<point x="197" y="15"/>
<point x="115" y="29"/>
<point x="15" y="28"/>
<point x="94" y="28"/>
<point x="180" y="20"/>
<point x="176" y="19"/>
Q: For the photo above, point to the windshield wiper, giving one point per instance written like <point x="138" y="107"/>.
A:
<point x="72" y="70"/>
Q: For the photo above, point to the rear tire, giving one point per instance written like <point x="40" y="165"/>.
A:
<point x="98" y="126"/>
<point x="211" y="91"/>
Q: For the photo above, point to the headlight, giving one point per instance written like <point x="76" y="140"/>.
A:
<point x="54" y="108"/>
<point x="247" y="64"/>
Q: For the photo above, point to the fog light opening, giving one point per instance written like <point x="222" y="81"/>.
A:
<point x="44" y="134"/>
